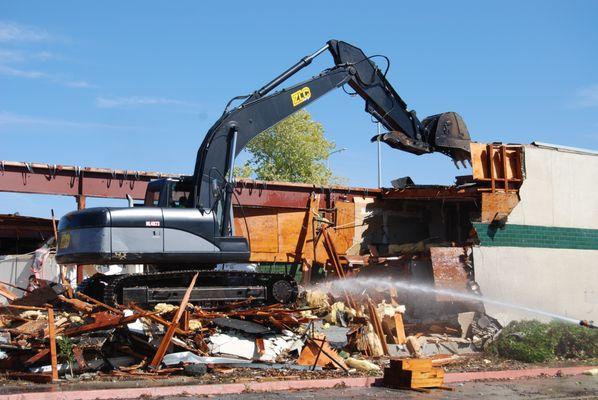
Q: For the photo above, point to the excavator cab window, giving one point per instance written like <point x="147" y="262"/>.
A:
<point x="152" y="197"/>
<point x="167" y="193"/>
<point x="178" y="195"/>
<point x="179" y="199"/>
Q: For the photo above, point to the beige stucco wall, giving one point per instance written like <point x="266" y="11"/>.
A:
<point x="562" y="281"/>
<point x="560" y="189"/>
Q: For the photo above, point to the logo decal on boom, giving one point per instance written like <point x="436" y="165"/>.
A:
<point x="300" y="96"/>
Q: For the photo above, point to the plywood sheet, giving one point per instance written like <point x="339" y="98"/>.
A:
<point x="481" y="165"/>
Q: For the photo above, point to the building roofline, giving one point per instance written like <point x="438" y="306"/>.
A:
<point x="566" y="149"/>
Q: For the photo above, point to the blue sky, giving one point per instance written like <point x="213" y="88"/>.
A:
<point x="135" y="85"/>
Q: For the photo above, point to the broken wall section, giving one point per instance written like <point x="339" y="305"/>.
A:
<point x="545" y="255"/>
<point x="423" y="235"/>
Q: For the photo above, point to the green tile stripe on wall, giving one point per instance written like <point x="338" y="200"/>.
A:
<point x="512" y="235"/>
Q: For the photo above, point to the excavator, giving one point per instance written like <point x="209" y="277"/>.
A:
<point x="186" y="225"/>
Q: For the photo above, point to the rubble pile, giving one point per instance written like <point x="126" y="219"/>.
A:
<point x="53" y="332"/>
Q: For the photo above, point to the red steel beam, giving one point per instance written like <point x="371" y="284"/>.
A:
<point x="107" y="183"/>
<point x="74" y="181"/>
<point x="433" y="193"/>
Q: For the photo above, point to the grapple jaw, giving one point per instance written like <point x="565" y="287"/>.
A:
<point x="445" y="133"/>
<point x="448" y="134"/>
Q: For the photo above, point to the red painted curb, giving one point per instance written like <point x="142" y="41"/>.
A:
<point x="276" y="386"/>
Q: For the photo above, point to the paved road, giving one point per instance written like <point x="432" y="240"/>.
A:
<point x="573" y="387"/>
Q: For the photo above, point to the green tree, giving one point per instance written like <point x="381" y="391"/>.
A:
<point x="294" y="150"/>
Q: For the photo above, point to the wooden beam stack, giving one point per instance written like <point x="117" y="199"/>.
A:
<point x="411" y="373"/>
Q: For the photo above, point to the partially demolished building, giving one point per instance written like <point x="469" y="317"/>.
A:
<point x="522" y="229"/>
<point x="523" y="226"/>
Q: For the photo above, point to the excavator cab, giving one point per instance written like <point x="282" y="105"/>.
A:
<point x="168" y="192"/>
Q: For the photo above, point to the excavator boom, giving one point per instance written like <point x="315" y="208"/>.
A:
<point x="445" y="133"/>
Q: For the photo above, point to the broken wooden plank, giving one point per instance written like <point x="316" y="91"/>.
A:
<point x="45" y="294"/>
<point x="98" y="303"/>
<point x="158" y="319"/>
<point x="31" y="327"/>
<point x="37" y="357"/>
<point x="400" y="329"/>
<point x="52" y="334"/>
<point x="173" y="326"/>
<point x="104" y="320"/>
<point x="377" y="325"/>
<point x="317" y="352"/>
<point x="35" y="377"/>
<point x="19" y="307"/>
<point x="7" y="293"/>
<point x="58" y="323"/>
<point x="101" y="320"/>
<point x="77" y="304"/>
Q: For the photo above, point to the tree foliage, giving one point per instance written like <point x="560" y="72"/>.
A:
<point x="294" y="150"/>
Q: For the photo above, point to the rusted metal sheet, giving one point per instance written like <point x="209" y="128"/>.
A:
<point x="449" y="265"/>
<point x="295" y="195"/>
<point x="498" y="205"/>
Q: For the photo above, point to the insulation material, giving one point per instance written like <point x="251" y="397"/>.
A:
<point x="361" y="223"/>
<point x="317" y="298"/>
<point x="373" y="341"/>
<point x="163" y="308"/>
<point x="388" y="310"/>
<point x="362" y="365"/>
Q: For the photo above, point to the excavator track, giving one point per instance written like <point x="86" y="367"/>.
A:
<point x="212" y="287"/>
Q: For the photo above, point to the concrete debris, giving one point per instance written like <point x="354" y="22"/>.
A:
<point x="484" y="330"/>
<point x="414" y="347"/>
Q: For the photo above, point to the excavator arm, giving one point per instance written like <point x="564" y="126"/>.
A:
<point x="261" y="110"/>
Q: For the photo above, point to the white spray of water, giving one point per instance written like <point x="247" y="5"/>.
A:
<point x="358" y="285"/>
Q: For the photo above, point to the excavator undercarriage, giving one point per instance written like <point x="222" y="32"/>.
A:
<point x="213" y="288"/>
